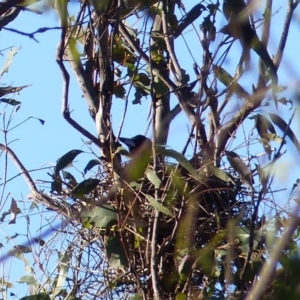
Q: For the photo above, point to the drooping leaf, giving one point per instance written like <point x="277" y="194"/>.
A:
<point x="153" y="178"/>
<point x="117" y="255"/>
<point x="9" y="101"/>
<point x="229" y="81"/>
<point x="159" y="86"/>
<point x="220" y="174"/>
<point x="101" y="217"/>
<point x="181" y="160"/>
<point x="56" y="184"/>
<point x="91" y="164"/>
<point x="138" y="95"/>
<point x="85" y="187"/>
<point x="29" y="279"/>
<point x="66" y="159"/>
<point x="18" y="254"/>
<point x="122" y="54"/>
<point x="72" y="182"/>
<point x="159" y="206"/>
<point x="280" y="123"/>
<point x="64" y="262"/>
<point x="263" y="125"/>
<point x="119" y="91"/>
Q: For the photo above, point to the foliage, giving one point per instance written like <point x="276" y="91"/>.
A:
<point x="166" y="223"/>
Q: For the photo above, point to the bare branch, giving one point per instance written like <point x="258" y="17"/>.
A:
<point x="288" y="18"/>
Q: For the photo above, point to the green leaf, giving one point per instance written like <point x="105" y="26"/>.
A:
<point x="153" y="178"/>
<point x="29" y="279"/>
<point x="280" y="123"/>
<point x="64" y="261"/>
<point x="92" y="163"/>
<point x="85" y="187"/>
<point x="139" y="93"/>
<point x="12" y="102"/>
<point x="65" y="160"/>
<point x="220" y="174"/>
<point x="136" y="297"/>
<point x="159" y="87"/>
<point x="122" y="54"/>
<point x="72" y="182"/>
<point x="180" y="159"/>
<point x="263" y="125"/>
<point x="40" y="296"/>
<point x="119" y="91"/>
<point x="181" y="296"/>
<point x="56" y="184"/>
<point x="117" y="256"/>
<point x="229" y="81"/>
<point x="17" y="254"/>
<point x="155" y="204"/>
<point x="101" y="217"/>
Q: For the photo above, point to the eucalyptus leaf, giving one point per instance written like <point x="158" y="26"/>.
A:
<point x="92" y="163"/>
<point x="279" y="122"/>
<point x="155" y="204"/>
<point x="9" y="101"/>
<point x="85" y="187"/>
<point x="64" y="261"/>
<point x="29" y="279"/>
<point x="101" y="217"/>
<point x="153" y="178"/>
<point x="117" y="255"/>
<point x="66" y="159"/>
<point x="180" y="159"/>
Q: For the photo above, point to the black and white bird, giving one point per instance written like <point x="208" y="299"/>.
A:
<point x="135" y="142"/>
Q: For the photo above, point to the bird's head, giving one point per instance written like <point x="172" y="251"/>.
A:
<point x="135" y="142"/>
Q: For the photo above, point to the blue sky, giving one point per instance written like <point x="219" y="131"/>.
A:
<point x="41" y="145"/>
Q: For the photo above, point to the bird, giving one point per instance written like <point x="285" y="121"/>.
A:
<point x="240" y="167"/>
<point x="135" y="143"/>
<point x="239" y="27"/>
<point x="189" y="18"/>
